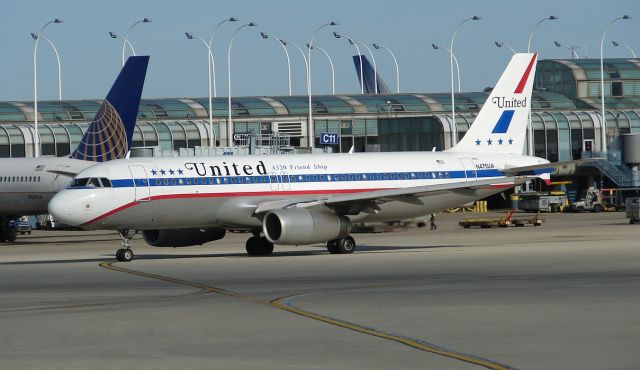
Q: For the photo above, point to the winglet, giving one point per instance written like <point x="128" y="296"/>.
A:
<point x="111" y="130"/>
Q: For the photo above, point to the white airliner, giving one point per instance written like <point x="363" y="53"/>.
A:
<point x="27" y="184"/>
<point x="306" y="199"/>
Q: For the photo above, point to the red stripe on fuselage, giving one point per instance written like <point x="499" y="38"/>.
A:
<point x="230" y="194"/>
<point x="525" y="76"/>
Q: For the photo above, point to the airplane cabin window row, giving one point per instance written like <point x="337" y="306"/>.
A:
<point x="23" y="179"/>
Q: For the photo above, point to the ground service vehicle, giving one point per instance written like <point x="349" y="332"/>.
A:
<point x="632" y="206"/>
<point x="591" y="201"/>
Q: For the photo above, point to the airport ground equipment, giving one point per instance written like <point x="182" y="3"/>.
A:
<point x="553" y="201"/>
<point x="590" y="201"/>
<point x="507" y="220"/>
<point x="632" y="206"/>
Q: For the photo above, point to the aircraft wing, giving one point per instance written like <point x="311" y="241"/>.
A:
<point x="354" y="203"/>
<point x="545" y="167"/>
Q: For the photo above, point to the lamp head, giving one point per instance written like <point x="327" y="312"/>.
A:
<point x="34" y="36"/>
<point x="113" y="35"/>
<point x="337" y="35"/>
<point x="475" y="18"/>
<point x="332" y="23"/>
<point x="58" y="20"/>
<point x="146" y="20"/>
<point x="498" y="44"/>
<point x="557" y="44"/>
<point x="251" y="24"/>
<point x="615" y="43"/>
<point x="552" y="18"/>
<point x="189" y="35"/>
<point x="264" y="35"/>
<point x="376" y="46"/>
<point x="232" y="19"/>
<point x="626" y="17"/>
<point x="435" y="46"/>
<point x="309" y="46"/>
<point x="284" y="43"/>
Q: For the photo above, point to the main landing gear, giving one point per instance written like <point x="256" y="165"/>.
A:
<point x="125" y="254"/>
<point x="344" y="245"/>
<point x="259" y="246"/>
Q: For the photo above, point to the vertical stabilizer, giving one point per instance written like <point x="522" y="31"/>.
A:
<point x="368" y="75"/>
<point x="501" y="124"/>
<point x="111" y="130"/>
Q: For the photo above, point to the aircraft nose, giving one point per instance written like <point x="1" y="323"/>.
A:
<point x="68" y="208"/>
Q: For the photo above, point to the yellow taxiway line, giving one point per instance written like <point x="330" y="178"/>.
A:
<point x="283" y="303"/>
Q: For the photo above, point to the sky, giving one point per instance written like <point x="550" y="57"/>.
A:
<point x="178" y="66"/>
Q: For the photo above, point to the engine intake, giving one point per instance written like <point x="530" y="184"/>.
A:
<point x="181" y="237"/>
<point x="303" y="226"/>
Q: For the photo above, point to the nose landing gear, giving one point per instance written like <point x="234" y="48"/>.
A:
<point x="125" y="254"/>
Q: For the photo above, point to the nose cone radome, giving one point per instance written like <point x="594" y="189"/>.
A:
<point x="67" y="208"/>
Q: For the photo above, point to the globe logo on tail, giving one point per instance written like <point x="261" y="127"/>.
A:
<point x="106" y="138"/>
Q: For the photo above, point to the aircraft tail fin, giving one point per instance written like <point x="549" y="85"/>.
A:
<point x="501" y="124"/>
<point x="111" y="130"/>
<point x="369" y="77"/>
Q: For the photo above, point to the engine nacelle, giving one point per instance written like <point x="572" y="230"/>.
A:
<point x="304" y="226"/>
<point x="181" y="237"/>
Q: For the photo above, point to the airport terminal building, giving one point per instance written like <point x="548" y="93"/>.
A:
<point x="567" y="120"/>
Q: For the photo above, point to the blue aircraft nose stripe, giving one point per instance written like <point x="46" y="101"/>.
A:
<point x="503" y="122"/>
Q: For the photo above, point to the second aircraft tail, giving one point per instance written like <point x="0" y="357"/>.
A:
<point x="111" y="130"/>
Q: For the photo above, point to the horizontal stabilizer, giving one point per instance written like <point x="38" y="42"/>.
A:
<point x="545" y="167"/>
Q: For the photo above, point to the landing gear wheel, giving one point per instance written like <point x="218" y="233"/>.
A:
<point x="344" y="245"/>
<point x="124" y="255"/>
<point x="259" y="246"/>
<point x="332" y="247"/>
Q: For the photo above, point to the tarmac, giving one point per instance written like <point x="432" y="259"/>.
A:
<point x="565" y="295"/>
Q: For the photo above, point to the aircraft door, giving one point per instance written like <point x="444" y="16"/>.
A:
<point x="284" y="179"/>
<point x="140" y="183"/>
<point x="469" y="168"/>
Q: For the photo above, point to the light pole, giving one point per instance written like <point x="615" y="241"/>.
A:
<point x="337" y="35"/>
<point x="114" y="35"/>
<point x="615" y="43"/>
<point x="573" y="48"/>
<point x="229" y="121"/>
<point x="549" y="18"/>
<point x="210" y="44"/>
<point x="35" y="36"/>
<point x="36" y="152"/>
<point x="211" y="133"/>
<point x="333" y="71"/>
<point x="530" y="126"/>
<point x="311" y="128"/>
<point x="604" y="118"/>
<point x="126" y="36"/>
<point x="284" y="47"/>
<point x="501" y="44"/>
<point x="306" y="62"/>
<point x="436" y="47"/>
<point x="376" y="46"/>
<point x="454" y="136"/>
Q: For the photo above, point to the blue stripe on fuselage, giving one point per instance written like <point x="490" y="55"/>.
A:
<point x="307" y="178"/>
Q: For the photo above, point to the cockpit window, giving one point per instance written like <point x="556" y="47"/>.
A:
<point x="91" y="182"/>
<point x="78" y="183"/>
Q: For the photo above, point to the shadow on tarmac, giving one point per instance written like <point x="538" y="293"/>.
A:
<point x="305" y="253"/>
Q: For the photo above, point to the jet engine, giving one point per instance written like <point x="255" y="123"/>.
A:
<point x="181" y="237"/>
<point x="304" y="226"/>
